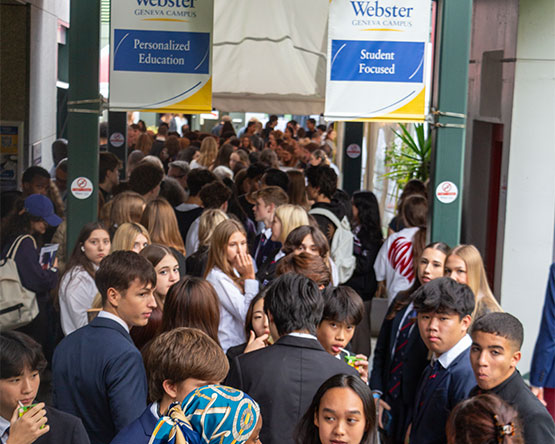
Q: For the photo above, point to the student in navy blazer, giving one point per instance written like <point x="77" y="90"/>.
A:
<point x="98" y="373"/>
<point x="444" y="310"/>
<point x="177" y="362"/>
<point x="542" y="373"/>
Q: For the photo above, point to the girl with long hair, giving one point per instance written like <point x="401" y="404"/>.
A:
<point x="464" y="264"/>
<point x="160" y="221"/>
<point x="130" y="237"/>
<point x="394" y="265"/>
<point x="207" y="154"/>
<point x="396" y="367"/>
<point x="167" y="273"/>
<point x="77" y="286"/>
<point x="297" y="189"/>
<point x="192" y="302"/>
<point x="230" y="270"/>
<point x="127" y="206"/>
<point x="342" y="410"/>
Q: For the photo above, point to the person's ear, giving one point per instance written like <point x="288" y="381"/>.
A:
<point x="466" y="322"/>
<point x="112" y="297"/>
<point x="316" y="419"/>
<point x="170" y="388"/>
<point x="516" y="358"/>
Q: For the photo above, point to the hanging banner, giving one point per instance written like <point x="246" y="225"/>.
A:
<point x="376" y="65"/>
<point x="161" y="55"/>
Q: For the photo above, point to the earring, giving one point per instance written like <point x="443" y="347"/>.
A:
<point x="82" y="248"/>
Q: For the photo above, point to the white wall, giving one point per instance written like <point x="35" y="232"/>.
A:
<point x="530" y="214"/>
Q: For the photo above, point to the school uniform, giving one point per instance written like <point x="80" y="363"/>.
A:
<point x="444" y="383"/>
<point x="140" y="430"/>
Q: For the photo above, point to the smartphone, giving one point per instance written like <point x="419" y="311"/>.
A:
<point x="386" y="421"/>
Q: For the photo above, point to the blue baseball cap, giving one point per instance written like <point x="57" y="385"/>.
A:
<point x="41" y="206"/>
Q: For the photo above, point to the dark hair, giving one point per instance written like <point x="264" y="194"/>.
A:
<point x="33" y="171"/>
<point x="368" y="216"/>
<point x="255" y="170"/>
<point x="145" y="177"/>
<point x="306" y="264"/>
<point x="224" y="154"/>
<point x="180" y="354"/>
<point x="78" y="257"/>
<point x="17" y="351"/>
<point x="444" y="295"/>
<point x="106" y="162"/>
<point x="197" y="178"/>
<point x="306" y="431"/>
<point x="342" y="304"/>
<point x="415" y="214"/>
<point x="324" y="178"/>
<point x="486" y="419"/>
<point x="15" y="223"/>
<point x="119" y="269"/>
<point x="214" y="194"/>
<point x="154" y="253"/>
<point x="501" y="324"/>
<point x="250" y="313"/>
<point x="296" y="237"/>
<point x="405" y="297"/>
<point x="172" y="191"/>
<point x="297" y="188"/>
<point x="276" y="177"/>
<point x="295" y="303"/>
<point x="192" y="302"/>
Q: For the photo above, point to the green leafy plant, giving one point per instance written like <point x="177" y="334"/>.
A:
<point x="409" y="159"/>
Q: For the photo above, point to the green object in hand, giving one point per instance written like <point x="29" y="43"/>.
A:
<point x="352" y="360"/>
<point x="23" y="409"/>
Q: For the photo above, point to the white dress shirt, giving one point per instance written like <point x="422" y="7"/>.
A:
<point x="191" y="242"/>
<point x="234" y="306"/>
<point x="450" y="355"/>
<point x="113" y="317"/>
<point x="76" y="295"/>
<point x="4" y="424"/>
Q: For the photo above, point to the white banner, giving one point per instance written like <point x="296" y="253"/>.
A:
<point x="161" y="55"/>
<point x="376" y="65"/>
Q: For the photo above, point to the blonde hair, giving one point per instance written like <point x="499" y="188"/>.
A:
<point x="126" y="207"/>
<point x="291" y="217"/>
<point x="208" y="221"/>
<point x="160" y="221"/>
<point x="125" y="235"/>
<point x="208" y="152"/>
<point x="217" y="253"/>
<point x="476" y="278"/>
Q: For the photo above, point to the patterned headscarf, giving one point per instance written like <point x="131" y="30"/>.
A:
<point x="213" y="414"/>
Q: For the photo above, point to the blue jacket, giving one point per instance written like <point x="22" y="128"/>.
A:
<point x="542" y="373"/>
<point x="99" y="376"/>
<point x="433" y="406"/>
<point x="139" y="431"/>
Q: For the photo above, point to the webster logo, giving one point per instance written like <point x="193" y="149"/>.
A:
<point x="167" y="3"/>
<point x="375" y="9"/>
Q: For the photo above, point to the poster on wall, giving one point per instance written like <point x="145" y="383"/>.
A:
<point x="11" y="154"/>
<point x="376" y="65"/>
<point x="161" y="55"/>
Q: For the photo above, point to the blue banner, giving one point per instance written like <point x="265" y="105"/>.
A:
<point x="161" y="51"/>
<point x="377" y="61"/>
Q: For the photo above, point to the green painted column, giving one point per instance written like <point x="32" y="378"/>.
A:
<point x="83" y="108"/>
<point x="450" y="105"/>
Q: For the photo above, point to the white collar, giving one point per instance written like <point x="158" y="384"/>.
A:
<point x="154" y="410"/>
<point x="302" y="335"/>
<point x="113" y="317"/>
<point x="279" y="255"/>
<point x="4" y="424"/>
<point x="450" y="355"/>
<point x="267" y="233"/>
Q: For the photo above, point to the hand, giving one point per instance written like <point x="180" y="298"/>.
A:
<point x="243" y="264"/>
<point x="55" y="263"/>
<point x="255" y="343"/>
<point x="381" y="291"/>
<point x="382" y="405"/>
<point x="538" y="391"/>
<point x="27" y="429"/>
<point x="362" y="367"/>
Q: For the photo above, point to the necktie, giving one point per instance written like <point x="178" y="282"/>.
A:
<point x="400" y="353"/>
<point x="430" y="373"/>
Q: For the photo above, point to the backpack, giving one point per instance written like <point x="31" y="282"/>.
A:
<point x="341" y="248"/>
<point x="18" y="306"/>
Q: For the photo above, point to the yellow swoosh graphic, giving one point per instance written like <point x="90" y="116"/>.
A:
<point x="382" y="29"/>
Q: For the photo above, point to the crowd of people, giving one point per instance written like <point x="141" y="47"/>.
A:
<point x="224" y="295"/>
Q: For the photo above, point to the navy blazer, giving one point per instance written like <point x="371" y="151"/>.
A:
<point x="64" y="429"/>
<point x="99" y="376"/>
<point x="139" y="431"/>
<point x="283" y="378"/>
<point x="542" y="373"/>
<point x="432" y="407"/>
<point x="265" y="252"/>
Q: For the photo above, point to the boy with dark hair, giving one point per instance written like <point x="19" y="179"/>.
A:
<point x="494" y="354"/>
<point x="283" y="378"/>
<point x="267" y="200"/>
<point x="177" y="362"/>
<point x="21" y="362"/>
<point x="145" y="179"/>
<point x="343" y="311"/>
<point x="35" y="180"/>
<point x="98" y="373"/>
<point x="276" y="177"/>
<point x="187" y="212"/>
<point x="108" y="174"/>
<point x="444" y="310"/>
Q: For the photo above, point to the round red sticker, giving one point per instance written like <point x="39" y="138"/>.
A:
<point x="447" y="192"/>
<point x="81" y="187"/>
